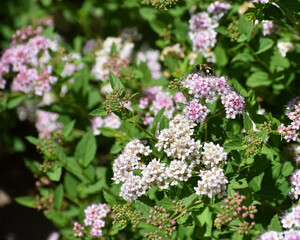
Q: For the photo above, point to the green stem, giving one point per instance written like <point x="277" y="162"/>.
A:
<point x="145" y="131"/>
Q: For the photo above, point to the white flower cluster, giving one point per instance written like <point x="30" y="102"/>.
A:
<point x="292" y="219"/>
<point x="111" y="121"/>
<point x="155" y="174"/>
<point x="212" y="182"/>
<point x="285" y="47"/>
<point x="213" y="155"/>
<point x="176" y="140"/>
<point x="179" y="171"/>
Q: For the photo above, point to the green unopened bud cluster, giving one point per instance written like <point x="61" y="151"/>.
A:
<point x="252" y="143"/>
<point x="114" y="102"/>
<point x="123" y="214"/>
<point x="164" y="220"/>
<point x="44" y="204"/>
<point x="234" y="212"/>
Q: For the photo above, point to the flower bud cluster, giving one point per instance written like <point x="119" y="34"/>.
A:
<point x="124" y="215"/>
<point x="295" y="184"/>
<point x="94" y="215"/>
<point x="110" y="120"/>
<point x="233" y="211"/>
<point x="290" y="132"/>
<point x="25" y="33"/>
<point x="29" y="61"/>
<point x="291" y="222"/>
<point x="78" y="228"/>
<point x="44" y="203"/>
<point x="210" y="88"/>
<point x="164" y="221"/>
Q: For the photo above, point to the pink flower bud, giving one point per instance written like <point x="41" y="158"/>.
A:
<point x="244" y="215"/>
<point x="160" y="227"/>
<point x="148" y="221"/>
<point x="235" y="213"/>
<point x="173" y="222"/>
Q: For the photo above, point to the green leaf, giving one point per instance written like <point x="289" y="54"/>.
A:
<point x="148" y="13"/>
<point x="86" y="190"/>
<point x="115" y="82"/>
<point x="157" y="119"/>
<point x="164" y="123"/>
<point x="70" y="185"/>
<point x="264" y="45"/>
<point x="86" y="149"/>
<point x="111" y="201"/>
<point x="58" y="196"/>
<point x="221" y="56"/>
<point x="55" y="172"/>
<point x="171" y="63"/>
<point x="258" y="79"/>
<point x="108" y="132"/>
<point x="247" y="122"/>
<point x="14" y="102"/>
<point x="26" y="201"/>
<point x="68" y="128"/>
<point x="98" y="112"/>
<point x="287" y="169"/>
<point x="158" y="26"/>
<point x="275" y="224"/>
<point x="245" y="28"/>
<point x="32" y="140"/>
<point x="255" y="182"/>
<point x="240" y="184"/>
<point x="243" y="57"/>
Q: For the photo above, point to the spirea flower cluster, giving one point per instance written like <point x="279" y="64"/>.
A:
<point x="154" y="99"/>
<point x="72" y="64"/>
<point x="213" y="155"/>
<point x="209" y="89"/>
<point x="295" y="184"/>
<point x="290" y="132"/>
<point x="111" y="121"/>
<point x="46" y="123"/>
<point x="176" y="141"/>
<point x="291" y="222"/>
<point x="29" y="61"/>
<point x="269" y="27"/>
<point x="151" y="58"/>
<point x="105" y="62"/>
<point x="94" y="215"/>
<point x="201" y="28"/>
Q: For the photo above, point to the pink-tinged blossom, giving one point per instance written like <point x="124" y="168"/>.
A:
<point x="154" y="100"/>
<point x="25" y="58"/>
<point x="269" y="27"/>
<point x="210" y="88"/>
<point x="111" y="121"/>
<point x="290" y="132"/>
<point x="218" y="9"/>
<point x="154" y="174"/>
<point x="46" y="123"/>
<point x="94" y="215"/>
<point x="195" y="111"/>
<point x="295" y="184"/>
<point x="271" y="235"/>
<point x="179" y="171"/>
<point x="213" y="155"/>
<point x="78" y="228"/>
<point x="72" y="64"/>
<point x="151" y="58"/>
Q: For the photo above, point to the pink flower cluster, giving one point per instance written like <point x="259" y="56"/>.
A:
<point x="293" y="112"/>
<point x="295" y="182"/>
<point x="46" y="123"/>
<point x="78" y="228"/>
<point x="111" y="121"/>
<point x="29" y="62"/>
<point x="269" y="27"/>
<point x="210" y="89"/>
<point x="201" y="28"/>
<point x="115" y="64"/>
<point x="25" y="33"/>
<point x="291" y="222"/>
<point x="195" y="111"/>
<point x="155" y="99"/>
<point x="94" y="215"/>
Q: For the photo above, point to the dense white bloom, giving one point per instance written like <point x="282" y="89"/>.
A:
<point x="295" y="184"/>
<point x="285" y="47"/>
<point x="179" y="171"/>
<point x="133" y="188"/>
<point x="154" y="173"/>
<point x="292" y="219"/>
<point x="176" y="140"/>
<point x="212" y="182"/>
<point x="271" y="235"/>
<point x="213" y="155"/>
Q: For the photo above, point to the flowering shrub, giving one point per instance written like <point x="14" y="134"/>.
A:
<point x="133" y="139"/>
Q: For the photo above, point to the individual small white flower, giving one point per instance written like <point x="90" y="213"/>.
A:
<point x="285" y="47"/>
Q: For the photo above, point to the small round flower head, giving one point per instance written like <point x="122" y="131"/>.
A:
<point x="295" y="184"/>
<point x="133" y="188"/>
<point x="291" y="234"/>
<point x="176" y="140"/>
<point x="195" y="111"/>
<point x="213" y="155"/>
<point x="154" y="173"/>
<point x="212" y="182"/>
<point x="271" y="235"/>
<point x="269" y="27"/>
<point x="284" y="47"/>
<point x="218" y="9"/>
<point x="46" y="123"/>
<point x="179" y="171"/>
